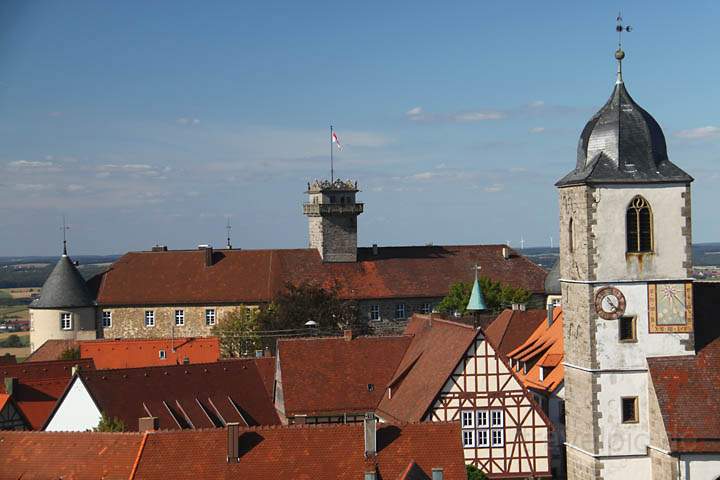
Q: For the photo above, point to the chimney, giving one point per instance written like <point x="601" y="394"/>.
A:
<point x="10" y="384"/>
<point x="159" y="248"/>
<point x="233" y="442"/>
<point x="438" y="474"/>
<point x="506" y="253"/>
<point x="208" y="250"/>
<point x="348" y="335"/>
<point x="375" y="249"/>
<point x="148" y="424"/>
<point x="267" y="352"/>
<point x="370" y="435"/>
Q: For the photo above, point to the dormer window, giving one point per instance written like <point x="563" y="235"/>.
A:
<point x="639" y="226"/>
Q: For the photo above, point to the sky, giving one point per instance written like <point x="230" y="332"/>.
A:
<point x="155" y="122"/>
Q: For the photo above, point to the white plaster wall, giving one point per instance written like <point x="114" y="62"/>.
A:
<point x="77" y="412"/>
<point x="613" y="354"/>
<point x="637" y="468"/>
<point x="618" y="438"/>
<point x="45" y="325"/>
<point x="666" y="203"/>
<point x="700" y="467"/>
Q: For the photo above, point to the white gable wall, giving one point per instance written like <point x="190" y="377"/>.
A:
<point x="77" y="412"/>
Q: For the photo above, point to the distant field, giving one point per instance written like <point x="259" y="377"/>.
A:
<point x="14" y="311"/>
<point x="22" y="352"/>
<point x="18" y="293"/>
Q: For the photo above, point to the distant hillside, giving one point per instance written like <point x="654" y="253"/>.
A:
<point x="16" y="272"/>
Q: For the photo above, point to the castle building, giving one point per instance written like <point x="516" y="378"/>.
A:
<point x="627" y="295"/>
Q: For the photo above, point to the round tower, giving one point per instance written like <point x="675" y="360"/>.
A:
<point x="65" y="309"/>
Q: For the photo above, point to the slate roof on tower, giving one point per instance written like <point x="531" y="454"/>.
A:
<point x="256" y="276"/>
<point x="64" y="288"/>
<point x="622" y="143"/>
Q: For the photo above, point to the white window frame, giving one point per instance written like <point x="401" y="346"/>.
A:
<point x="162" y="354"/>
<point x="375" y="312"/>
<point x="497" y="437"/>
<point x="468" y="438"/>
<point x="467" y="418"/>
<point x="500" y="418"/>
<point x="402" y="309"/>
<point x="179" y="317"/>
<point x="482" y="438"/>
<point x="210" y="317"/>
<point x="107" y="319"/>
<point x="484" y="415"/>
<point x="150" y="318"/>
<point x="66" y="321"/>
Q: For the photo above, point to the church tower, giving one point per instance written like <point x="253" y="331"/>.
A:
<point x="625" y="267"/>
<point x="332" y="219"/>
<point x="65" y="309"/>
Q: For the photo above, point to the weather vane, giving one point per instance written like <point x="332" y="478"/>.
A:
<point x="620" y="28"/>
<point x="65" y="228"/>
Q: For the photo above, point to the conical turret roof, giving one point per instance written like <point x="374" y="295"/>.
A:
<point x="64" y="288"/>
<point x="622" y="143"/>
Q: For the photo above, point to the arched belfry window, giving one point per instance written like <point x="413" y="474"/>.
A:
<point x="639" y="226"/>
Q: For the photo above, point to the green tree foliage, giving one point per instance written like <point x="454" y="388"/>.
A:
<point x="107" y="424"/>
<point x="300" y="304"/>
<point x="12" y="341"/>
<point x="497" y="296"/>
<point x="238" y="332"/>
<point x="474" y="473"/>
<point x="70" y="354"/>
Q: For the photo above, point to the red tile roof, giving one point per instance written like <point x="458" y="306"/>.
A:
<point x="8" y="359"/>
<point x="512" y="327"/>
<point x="4" y="398"/>
<point x="319" y="452"/>
<point x="67" y="455"/>
<point x="184" y="396"/>
<point x="329" y="375"/>
<point x="545" y="344"/>
<point x="252" y="276"/>
<point x="436" y="348"/>
<point x="145" y="352"/>
<point x="51" y="350"/>
<point x="38" y="386"/>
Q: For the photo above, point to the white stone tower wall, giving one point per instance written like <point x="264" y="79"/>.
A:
<point x="45" y="325"/>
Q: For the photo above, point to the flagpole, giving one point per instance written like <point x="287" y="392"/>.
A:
<point x="332" y="172"/>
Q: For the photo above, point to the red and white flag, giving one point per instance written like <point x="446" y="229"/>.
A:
<point x="336" y="141"/>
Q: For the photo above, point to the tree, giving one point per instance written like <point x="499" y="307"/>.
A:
<point x="13" y="341"/>
<point x="474" y="473"/>
<point x="238" y="332"/>
<point x="300" y="304"/>
<point x="107" y="424"/>
<point x="70" y="354"/>
<point x="497" y="296"/>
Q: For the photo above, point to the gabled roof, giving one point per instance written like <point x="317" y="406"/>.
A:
<point x="436" y="348"/>
<point x="320" y="452"/>
<point x="513" y="327"/>
<point x="64" y="288"/>
<point x="184" y="396"/>
<point x="67" y="455"/>
<point x="38" y="386"/>
<point x="51" y="350"/>
<point x="326" y="375"/>
<point x="145" y="352"/>
<point x="253" y="276"/>
<point x="545" y="344"/>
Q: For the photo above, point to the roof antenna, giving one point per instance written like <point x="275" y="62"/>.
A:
<point x="619" y="53"/>
<point x="228" y="228"/>
<point x="65" y="228"/>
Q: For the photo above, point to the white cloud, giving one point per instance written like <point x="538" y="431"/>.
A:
<point x="701" y="133"/>
<point x="417" y="114"/>
<point x="187" y="121"/>
<point x="32" y="187"/>
<point x="494" y="188"/>
<point x="75" y="188"/>
<point x="467" y="117"/>
<point x="29" y="164"/>
<point x="536" y="104"/>
<point x="537" y="130"/>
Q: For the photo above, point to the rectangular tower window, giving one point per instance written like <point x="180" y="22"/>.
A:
<point x="374" y="312"/>
<point x="210" y="316"/>
<point x="627" y="330"/>
<point x="66" y="321"/>
<point x="106" y="319"/>
<point x="149" y="318"/>
<point x="400" y="311"/>
<point x="630" y="410"/>
<point x="179" y="318"/>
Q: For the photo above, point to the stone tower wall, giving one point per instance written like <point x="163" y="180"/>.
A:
<point x="335" y="237"/>
<point x="45" y="325"/>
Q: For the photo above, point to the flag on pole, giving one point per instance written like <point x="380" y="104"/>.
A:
<point x="336" y="141"/>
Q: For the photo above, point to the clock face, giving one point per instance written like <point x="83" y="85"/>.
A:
<point x="609" y="303"/>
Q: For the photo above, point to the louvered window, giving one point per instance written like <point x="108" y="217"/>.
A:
<point x="639" y="226"/>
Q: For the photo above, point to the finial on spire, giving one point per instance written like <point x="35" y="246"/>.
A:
<point x="228" y="228"/>
<point x="619" y="53"/>
<point x="65" y="228"/>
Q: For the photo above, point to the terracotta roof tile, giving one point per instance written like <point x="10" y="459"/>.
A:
<point x="252" y="276"/>
<point x="512" y="327"/>
<point x="76" y="456"/>
<point x="235" y="388"/>
<point x="320" y="452"/>
<point x="436" y="348"/>
<point x="145" y="352"/>
<point x="327" y="375"/>
<point x="51" y="350"/>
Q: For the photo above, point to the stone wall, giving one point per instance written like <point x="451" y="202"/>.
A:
<point x="583" y="467"/>
<point x="577" y="207"/>
<point x="335" y="237"/>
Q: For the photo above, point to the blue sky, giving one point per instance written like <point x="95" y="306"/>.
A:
<point x="150" y="122"/>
